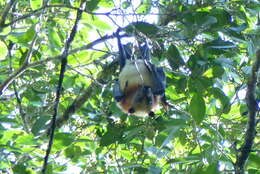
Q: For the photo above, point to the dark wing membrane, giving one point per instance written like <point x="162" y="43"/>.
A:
<point x="159" y="75"/>
<point x="117" y="93"/>
<point x="159" y="78"/>
<point x="124" y="51"/>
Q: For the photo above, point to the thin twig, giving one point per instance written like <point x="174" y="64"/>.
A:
<point x="18" y="98"/>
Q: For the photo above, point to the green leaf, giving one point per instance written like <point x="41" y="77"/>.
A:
<point x="106" y="3"/>
<point x="181" y="85"/>
<point x="238" y="28"/>
<point x="112" y="135"/>
<point x="35" y="4"/>
<point x="208" y="20"/>
<point x="54" y="39"/>
<point x="126" y="4"/>
<point x="143" y="27"/>
<point x="91" y="5"/>
<point x="73" y="152"/>
<point x="25" y="140"/>
<point x="69" y="81"/>
<point x="20" y="168"/>
<point x="216" y="71"/>
<point x="224" y="100"/>
<point x="64" y="139"/>
<point x="154" y="170"/>
<point x="212" y="169"/>
<point x="101" y="25"/>
<point x="208" y="73"/>
<point x="3" y="50"/>
<point x="126" y="154"/>
<point x="9" y="136"/>
<point x="203" y="19"/>
<point x="144" y="7"/>
<point x="197" y="108"/>
<point x="174" y="57"/>
<point x="141" y="170"/>
<point x="243" y="109"/>
<point x="254" y="158"/>
<point x="23" y="37"/>
<point x="220" y="44"/>
<point x="40" y="124"/>
<point x="222" y="16"/>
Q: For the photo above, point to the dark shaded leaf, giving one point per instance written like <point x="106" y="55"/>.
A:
<point x="73" y="152"/>
<point x="112" y="135"/>
<point x="91" y="5"/>
<point x="174" y="57"/>
<point x="222" y="16"/>
<point x="143" y="27"/>
<point x="154" y="170"/>
<point x="220" y="44"/>
<point x="225" y="102"/>
<point x="141" y="170"/>
<point x="40" y="124"/>
<point x="197" y="108"/>
<point x="65" y="139"/>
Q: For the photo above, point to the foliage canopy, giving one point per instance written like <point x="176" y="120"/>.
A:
<point x="207" y="49"/>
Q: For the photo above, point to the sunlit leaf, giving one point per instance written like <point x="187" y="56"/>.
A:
<point x="23" y="37"/>
<point x="54" y="39"/>
<point x="216" y="71"/>
<point x="25" y="140"/>
<point x="99" y="24"/>
<point x="3" y="50"/>
<point x="35" y="4"/>
<point x="144" y="7"/>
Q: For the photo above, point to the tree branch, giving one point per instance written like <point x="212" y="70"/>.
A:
<point x="5" y="12"/>
<point x="64" y="61"/>
<point x="87" y="93"/>
<point x="110" y="13"/>
<point x="251" y="123"/>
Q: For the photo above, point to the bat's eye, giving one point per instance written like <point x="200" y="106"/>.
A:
<point x="131" y="110"/>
